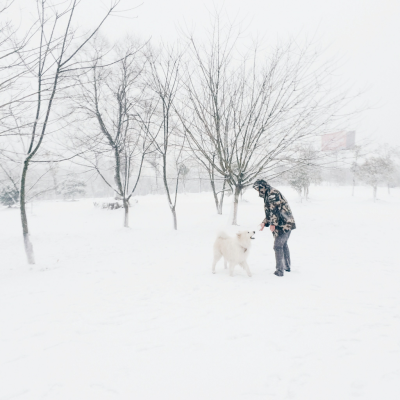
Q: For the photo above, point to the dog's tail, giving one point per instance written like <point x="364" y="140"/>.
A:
<point x="222" y="235"/>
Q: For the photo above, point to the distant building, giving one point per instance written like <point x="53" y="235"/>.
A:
<point x="343" y="140"/>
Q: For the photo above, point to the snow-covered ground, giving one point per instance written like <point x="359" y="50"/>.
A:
<point x="114" y="313"/>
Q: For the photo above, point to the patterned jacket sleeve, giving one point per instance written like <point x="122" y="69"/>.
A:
<point x="274" y="200"/>
<point x="266" y="219"/>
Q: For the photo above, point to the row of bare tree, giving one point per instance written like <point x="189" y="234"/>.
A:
<point x="239" y="111"/>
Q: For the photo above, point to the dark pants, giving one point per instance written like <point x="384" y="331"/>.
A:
<point x="282" y="254"/>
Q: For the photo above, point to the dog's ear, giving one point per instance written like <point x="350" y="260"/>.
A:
<point x="239" y="234"/>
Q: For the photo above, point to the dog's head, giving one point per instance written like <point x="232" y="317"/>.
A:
<point x="245" y="236"/>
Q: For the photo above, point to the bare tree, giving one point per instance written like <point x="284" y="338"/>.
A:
<point x="183" y="173"/>
<point x="48" y="60"/>
<point x="164" y="83"/>
<point x="373" y="171"/>
<point x="303" y="170"/>
<point x="208" y="97"/>
<point x="244" y="115"/>
<point x="392" y="156"/>
<point x="112" y="98"/>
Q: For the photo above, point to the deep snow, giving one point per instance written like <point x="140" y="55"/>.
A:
<point x="114" y="313"/>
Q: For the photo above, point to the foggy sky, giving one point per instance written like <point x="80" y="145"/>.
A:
<point x="363" y="34"/>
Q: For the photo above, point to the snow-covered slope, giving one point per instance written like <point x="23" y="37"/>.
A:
<point x="114" y="313"/>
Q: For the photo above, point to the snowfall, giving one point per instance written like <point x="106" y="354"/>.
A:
<point x="135" y="313"/>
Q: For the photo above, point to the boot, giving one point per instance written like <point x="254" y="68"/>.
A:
<point x="286" y="256"/>
<point x="280" y="261"/>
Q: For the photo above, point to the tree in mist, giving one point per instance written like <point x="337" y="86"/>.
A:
<point x="375" y="170"/>
<point x="392" y="156"/>
<point x="112" y="100"/>
<point x="244" y="114"/>
<point x="163" y="84"/>
<point x="304" y="170"/>
<point x="9" y="189"/>
<point x="183" y="173"/>
<point x="47" y="60"/>
<point x="72" y="187"/>
<point x="9" y="195"/>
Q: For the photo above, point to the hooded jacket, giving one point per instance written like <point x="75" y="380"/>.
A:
<point x="277" y="210"/>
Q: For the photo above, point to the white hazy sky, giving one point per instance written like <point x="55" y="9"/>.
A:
<point x="363" y="34"/>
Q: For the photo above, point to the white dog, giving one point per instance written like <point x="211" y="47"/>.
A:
<point x="235" y="250"/>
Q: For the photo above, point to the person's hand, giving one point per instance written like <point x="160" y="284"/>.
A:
<point x="272" y="228"/>
<point x="262" y="226"/>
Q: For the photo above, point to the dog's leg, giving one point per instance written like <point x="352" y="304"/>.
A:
<point x="231" y="267"/>
<point x="217" y="257"/>
<point x="246" y="267"/>
<point x="225" y="263"/>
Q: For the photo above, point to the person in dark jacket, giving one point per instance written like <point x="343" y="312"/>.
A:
<point x="279" y="218"/>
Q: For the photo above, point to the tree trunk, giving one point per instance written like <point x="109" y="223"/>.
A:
<point x="215" y="194"/>
<point x="388" y="189"/>
<point x="25" y="232"/>
<point x="218" y="202"/>
<point x="170" y="204"/>
<point x="221" y="201"/>
<point x="374" y="189"/>
<point x="235" y="204"/>
<point x="300" y="193"/>
<point x="126" y="213"/>
<point x="354" y="184"/>
<point x="175" y="219"/>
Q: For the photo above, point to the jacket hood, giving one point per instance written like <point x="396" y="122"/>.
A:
<point x="262" y="187"/>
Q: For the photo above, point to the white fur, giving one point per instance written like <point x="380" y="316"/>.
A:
<point x="235" y="250"/>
